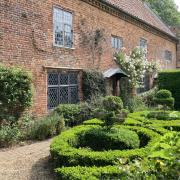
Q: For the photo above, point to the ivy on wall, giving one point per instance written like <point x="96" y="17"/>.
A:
<point x="93" y="84"/>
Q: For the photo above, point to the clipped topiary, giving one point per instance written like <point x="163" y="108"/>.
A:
<point x="164" y="98"/>
<point x="112" y="103"/>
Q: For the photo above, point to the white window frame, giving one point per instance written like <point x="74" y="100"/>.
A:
<point x="119" y="43"/>
<point x="63" y="28"/>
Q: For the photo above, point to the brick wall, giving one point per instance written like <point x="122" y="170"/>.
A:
<point x="176" y="30"/>
<point x="26" y="39"/>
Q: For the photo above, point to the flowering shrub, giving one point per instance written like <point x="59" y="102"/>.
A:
<point x="135" y="65"/>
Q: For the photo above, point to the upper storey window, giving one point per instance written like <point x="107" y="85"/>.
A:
<point x="117" y="42"/>
<point x="168" y="55"/>
<point x="63" y="31"/>
<point x="143" y="44"/>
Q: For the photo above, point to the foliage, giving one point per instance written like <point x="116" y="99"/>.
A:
<point x="89" y="173"/>
<point x="136" y="104"/>
<point x="109" y="140"/>
<point x="135" y="65"/>
<point x="9" y="135"/>
<point x="93" y="122"/>
<point x="46" y="127"/>
<point x="111" y="111"/>
<point x="161" y="115"/>
<point x="65" y="152"/>
<point x="155" y="158"/>
<point x="164" y="97"/>
<point x="170" y="80"/>
<point x="71" y="113"/>
<point x="167" y="10"/>
<point x="148" y="97"/>
<point x="112" y="103"/>
<point x="93" y="84"/>
<point x="162" y="163"/>
<point x="16" y="91"/>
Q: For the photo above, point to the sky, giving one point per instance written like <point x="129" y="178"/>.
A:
<point x="178" y="3"/>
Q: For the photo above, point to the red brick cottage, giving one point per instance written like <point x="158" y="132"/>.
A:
<point x="57" y="39"/>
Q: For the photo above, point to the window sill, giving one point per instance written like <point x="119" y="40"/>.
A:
<point x="62" y="47"/>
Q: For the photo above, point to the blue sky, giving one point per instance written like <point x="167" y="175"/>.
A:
<point x="178" y="3"/>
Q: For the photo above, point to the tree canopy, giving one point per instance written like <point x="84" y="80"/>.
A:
<point x="167" y="10"/>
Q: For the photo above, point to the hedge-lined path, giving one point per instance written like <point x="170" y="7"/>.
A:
<point x="29" y="162"/>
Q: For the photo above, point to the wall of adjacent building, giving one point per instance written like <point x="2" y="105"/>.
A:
<point x="176" y="31"/>
<point x="26" y="39"/>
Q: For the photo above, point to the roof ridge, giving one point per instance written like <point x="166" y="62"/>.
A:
<point x="143" y="12"/>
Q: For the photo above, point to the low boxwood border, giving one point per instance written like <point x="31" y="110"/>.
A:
<point x="64" y="154"/>
<point x="86" y="173"/>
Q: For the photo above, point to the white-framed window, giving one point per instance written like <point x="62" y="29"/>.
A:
<point x="168" y="55"/>
<point x="143" y="44"/>
<point x="63" y="30"/>
<point x="117" y="42"/>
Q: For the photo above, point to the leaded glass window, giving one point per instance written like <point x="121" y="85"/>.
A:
<point x="63" y="31"/>
<point x="143" y="45"/>
<point x="62" y="89"/>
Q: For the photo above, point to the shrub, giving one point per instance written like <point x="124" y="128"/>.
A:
<point x="93" y="84"/>
<point x="93" y="122"/>
<point x="16" y="91"/>
<point x="136" y="104"/>
<point x="73" y="114"/>
<point x="46" y="127"/>
<point x="161" y="115"/>
<point x="170" y="80"/>
<point x="164" y="98"/>
<point x="100" y="139"/>
<point x="64" y="149"/>
<point x="162" y="163"/>
<point x="92" y="173"/>
<point x="9" y="135"/>
<point x="148" y="97"/>
<point x="112" y="103"/>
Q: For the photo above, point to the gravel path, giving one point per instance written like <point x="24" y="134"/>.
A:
<point x="30" y="162"/>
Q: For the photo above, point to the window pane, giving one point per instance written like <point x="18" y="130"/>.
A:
<point x="168" y="55"/>
<point x="67" y="18"/>
<point x="63" y="28"/>
<point x="52" y="98"/>
<point x="117" y="42"/>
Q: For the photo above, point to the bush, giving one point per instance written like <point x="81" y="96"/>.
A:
<point x="112" y="103"/>
<point x="148" y="97"/>
<point x="170" y="80"/>
<point x="93" y="122"/>
<point x="161" y="115"/>
<point x="9" y="135"/>
<point x="92" y="173"/>
<point x="93" y="84"/>
<point x="45" y="127"/>
<point x="109" y="140"/>
<point x="16" y="91"/>
<point x="162" y="163"/>
<point x="136" y="104"/>
<point x="71" y="113"/>
<point x="64" y="149"/>
<point x="164" y="98"/>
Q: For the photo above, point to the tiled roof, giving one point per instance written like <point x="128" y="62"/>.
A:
<point x="141" y="11"/>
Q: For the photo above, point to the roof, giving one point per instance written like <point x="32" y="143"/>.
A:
<point x="140" y="10"/>
<point x="114" y="71"/>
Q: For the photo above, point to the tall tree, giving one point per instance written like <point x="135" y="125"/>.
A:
<point x="167" y="10"/>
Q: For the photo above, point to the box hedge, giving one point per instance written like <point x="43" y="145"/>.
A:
<point x="170" y="80"/>
<point x="65" y="152"/>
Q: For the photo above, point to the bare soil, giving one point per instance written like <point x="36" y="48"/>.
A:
<point x="29" y="162"/>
